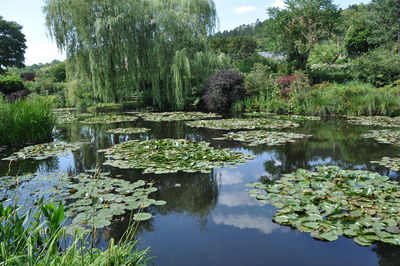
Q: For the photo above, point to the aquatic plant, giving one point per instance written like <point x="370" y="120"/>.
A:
<point x="67" y="117"/>
<point x="377" y="121"/>
<point x="289" y="117"/>
<point x="331" y="202"/>
<point x="257" y="137"/>
<point x="237" y="123"/>
<point x="98" y="198"/>
<point x="109" y="119"/>
<point x="391" y="163"/>
<point x="176" y="116"/>
<point x="44" y="151"/>
<point x="34" y="237"/>
<point x="170" y="156"/>
<point x="93" y="198"/>
<point x="384" y="136"/>
<point x="127" y="131"/>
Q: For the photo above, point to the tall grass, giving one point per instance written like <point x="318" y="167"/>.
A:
<point x="26" y="121"/>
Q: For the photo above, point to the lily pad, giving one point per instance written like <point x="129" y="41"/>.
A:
<point x="171" y="155"/>
<point x="142" y="216"/>
<point x="331" y="202"/>
<point x="289" y="117"/>
<point x="176" y="116"/>
<point x="258" y="137"/>
<point x="377" y="121"/>
<point x="44" y="151"/>
<point x="127" y="131"/>
<point x="391" y="163"/>
<point x="109" y="119"/>
<point x="65" y="118"/>
<point x="384" y="136"/>
<point x="237" y="123"/>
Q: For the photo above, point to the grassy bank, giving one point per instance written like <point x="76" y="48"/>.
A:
<point x="351" y="98"/>
<point x="26" y="121"/>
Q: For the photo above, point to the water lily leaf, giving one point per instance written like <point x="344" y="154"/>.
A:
<point x="142" y="216"/>
<point x="159" y="202"/>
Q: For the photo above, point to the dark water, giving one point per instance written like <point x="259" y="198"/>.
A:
<point x="209" y="218"/>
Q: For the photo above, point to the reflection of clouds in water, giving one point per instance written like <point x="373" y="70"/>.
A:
<point x="238" y="199"/>
<point x="230" y="177"/>
<point x="246" y="221"/>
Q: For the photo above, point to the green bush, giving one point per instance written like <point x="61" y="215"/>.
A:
<point x="10" y="84"/>
<point x="379" y="67"/>
<point x="246" y="64"/>
<point x="260" y="80"/>
<point x="26" y="121"/>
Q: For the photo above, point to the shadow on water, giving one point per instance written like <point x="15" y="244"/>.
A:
<point x="209" y="218"/>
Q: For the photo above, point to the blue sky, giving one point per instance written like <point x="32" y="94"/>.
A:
<point x="41" y="49"/>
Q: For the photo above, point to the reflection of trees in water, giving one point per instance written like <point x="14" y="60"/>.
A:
<point x="388" y="255"/>
<point x="22" y="167"/>
<point x="196" y="196"/>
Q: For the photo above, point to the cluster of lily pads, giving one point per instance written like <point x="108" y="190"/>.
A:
<point x="289" y="117"/>
<point x="384" y="136"/>
<point x="176" y="116"/>
<point x="65" y="118"/>
<point x="97" y="198"/>
<point x="257" y="137"/>
<point x="378" y="121"/>
<point x="390" y="163"/>
<point x="237" y="123"/>
<point x="170" y="156"/>
<point x="127" y="131"/>
<point x="331" y="202"/>
<point x="109" y="119"/>
<point x="93" y="199"/>
<point x="44" y="151"/>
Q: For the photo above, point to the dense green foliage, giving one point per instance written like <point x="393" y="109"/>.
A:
<point x="115" y="48"/>
<point x="12" y="45"/>
<point x="10" y="84"/>
<point x="26" y="121"/>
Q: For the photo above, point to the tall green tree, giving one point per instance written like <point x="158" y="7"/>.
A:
<point x="117" y="47"/>
<point x="296" y="29"/>
<point x="12" y="45"/>
<point x="386" y="18"/>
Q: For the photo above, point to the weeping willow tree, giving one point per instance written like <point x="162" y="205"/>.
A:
<point x="117" y="47"/>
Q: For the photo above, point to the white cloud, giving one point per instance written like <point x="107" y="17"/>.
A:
<point x="246" y="221"/>
<point x="230" y="177"/>
<point x="238" y="199"/>
<point x="244" y="9"/>
<point x="279" y="4"/>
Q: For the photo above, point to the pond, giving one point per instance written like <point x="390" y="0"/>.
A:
<point x="209" y="218"/>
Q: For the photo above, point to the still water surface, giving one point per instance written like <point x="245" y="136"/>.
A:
<point x="209" y="218"/>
